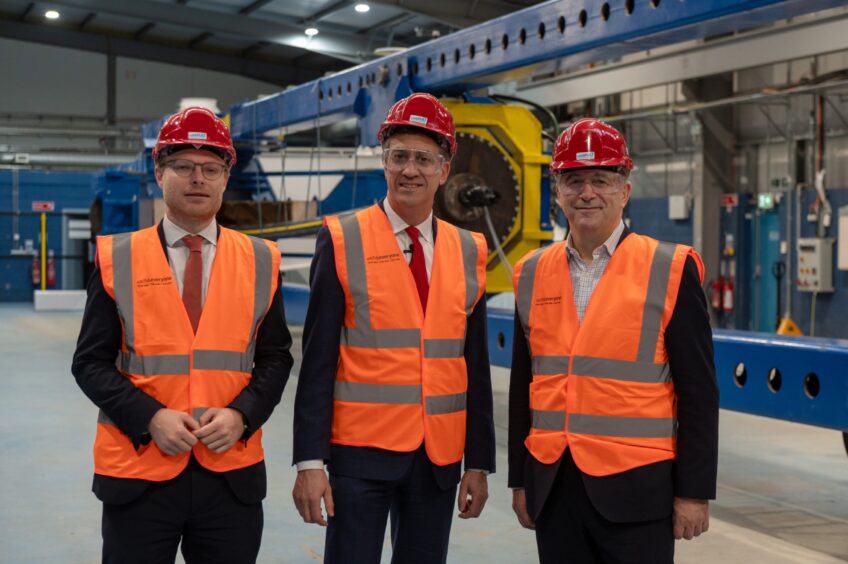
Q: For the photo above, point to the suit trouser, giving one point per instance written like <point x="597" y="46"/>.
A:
<point x="420" y="511"/>
<point x="197" y="507"/>
<point x="569" y="530"/>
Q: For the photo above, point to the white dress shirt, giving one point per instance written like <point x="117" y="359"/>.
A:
<point x="425" y="235"/>
<point x="178" y="251"/>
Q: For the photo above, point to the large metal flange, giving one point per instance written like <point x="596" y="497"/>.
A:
<point x="479" y="162"/>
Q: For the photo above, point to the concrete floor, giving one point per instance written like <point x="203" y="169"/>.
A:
<point x="783" y="488"/>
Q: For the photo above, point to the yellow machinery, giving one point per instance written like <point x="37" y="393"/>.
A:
<point x="494" y="186"/>
<point x="498" y="166"/>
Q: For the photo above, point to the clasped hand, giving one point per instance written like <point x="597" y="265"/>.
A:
<point x="175" y="432"/>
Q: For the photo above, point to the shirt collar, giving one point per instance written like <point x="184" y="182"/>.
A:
<point x="174" y="233"/>
<point x="425" y="228"/>
<point x="609" y="245"/>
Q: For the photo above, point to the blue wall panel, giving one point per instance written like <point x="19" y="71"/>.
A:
<point x="67" y="190"/>
<point x="649" y="216"/>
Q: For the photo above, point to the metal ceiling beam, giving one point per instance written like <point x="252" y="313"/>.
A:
<point x="200" y="38"/>
<point x="143" y="29"/>
<point x="743" y="51"/>
<point x="251" y="49"/>
<point x="23" y="15"/>
<point x="347" y="46"/>
<point x="390" y="22"/>
<point x="279" y="74"/>
<point x="331" y="9"/>
<point x="453" y="13"/>
<point x="86" y="20"/>
<point x="253" y="6"/>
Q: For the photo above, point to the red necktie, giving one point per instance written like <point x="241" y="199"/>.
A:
<point x="418" y="268"/>
<point x="193" y="279"/>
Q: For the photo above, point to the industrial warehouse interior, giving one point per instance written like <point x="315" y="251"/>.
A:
<point x="735" y="115"/>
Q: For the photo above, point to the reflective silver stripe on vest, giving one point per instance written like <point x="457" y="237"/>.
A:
<point x="469" y="267"/>
<point x="222" y="360"/>
<point x="263" y="264"/>
<point x="153" y="365"/>
<point x="550" y="365"/>
<point x="646" y="372"/>
<point x="104" y="419"/>
<point x="440" y="405"/>
<point x="377" y="393"/>
<point x="444" y="348"/>
<point x="363" y="335"/>
<point x="156" y="365"/>
<point x="122" y="276"/>
<point x="548" y="420"/>
<point x="655" y="301"/>
<point x="611" y="426"/>
<point x="524" y="299"/>
<point x="381" y="338"/>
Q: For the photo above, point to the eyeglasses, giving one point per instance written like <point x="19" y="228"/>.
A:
<point x="395" y="160"/>
<point x="185" y="168"/>
<point x="573" y="184"/>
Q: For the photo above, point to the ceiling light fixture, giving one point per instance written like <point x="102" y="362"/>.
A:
<point x="311" y="31"/>
<point x="51" y="15"/>
<point x="362" y="7"/>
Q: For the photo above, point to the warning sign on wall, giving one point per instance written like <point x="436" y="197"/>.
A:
<point x="43" y="206"/>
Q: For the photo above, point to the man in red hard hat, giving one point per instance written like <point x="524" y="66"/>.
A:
<point x="613" y="420"/>
<point x="193" y="313"/>
<point x="395" y="390"/>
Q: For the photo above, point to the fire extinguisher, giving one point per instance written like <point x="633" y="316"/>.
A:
<point x="36" y="270"/>
<point x="727" y="296"/>
<point x="716" y="293"/>
<point x="51" y="269"/>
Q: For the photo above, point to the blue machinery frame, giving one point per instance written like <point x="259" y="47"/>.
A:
<point x="796" y="379"/>
<point x="540" y="38"/>
<point x="800" y="379"/>
<point x="532" y="40"/>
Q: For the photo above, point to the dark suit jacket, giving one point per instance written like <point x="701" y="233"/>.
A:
<point x="647" y="492"/>
<point x="131" y="409"/>
<point x="313" y="410"/>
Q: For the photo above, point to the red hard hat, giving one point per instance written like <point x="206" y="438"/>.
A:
<point x="198" y="127"/>
<point x="422" y="111"/>
<point x="591" y="143"/>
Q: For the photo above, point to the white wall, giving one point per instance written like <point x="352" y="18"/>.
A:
<point x="47" y="80"/>
<point x="147" y="89"/>
<point x="40" y="79"/>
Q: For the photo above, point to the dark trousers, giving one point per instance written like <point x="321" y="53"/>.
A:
<point x="569" y="530"/>
<point x="197" y="507"/>
<point x="420" y="512"/>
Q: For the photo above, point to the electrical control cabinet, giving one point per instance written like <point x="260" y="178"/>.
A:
<point x="815" y="265"/>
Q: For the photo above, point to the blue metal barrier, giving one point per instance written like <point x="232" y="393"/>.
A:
<point x="800" y="379"/>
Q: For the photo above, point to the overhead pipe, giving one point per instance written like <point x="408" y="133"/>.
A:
<point x="66" y="159"/>
<point x="15" y="130"/>
<point x="681" y="109"/>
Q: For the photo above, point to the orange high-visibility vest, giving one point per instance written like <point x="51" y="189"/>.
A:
<point x="161" y="355"/>
<point x="401" y="377"/>
<point x="602" y="387"/>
